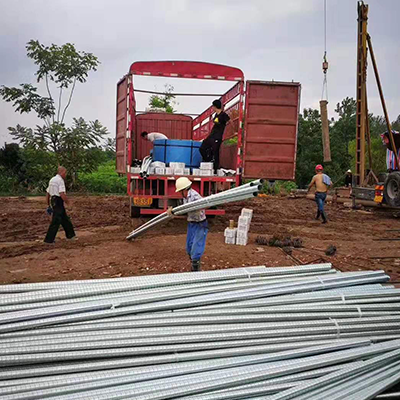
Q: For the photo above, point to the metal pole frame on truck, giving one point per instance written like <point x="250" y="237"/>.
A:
<point x="270" y="154"/>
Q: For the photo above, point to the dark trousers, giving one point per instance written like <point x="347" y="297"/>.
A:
<point x="60" y="217"/>
<point x="320" y="200"/>
<point x="209" y="150"/>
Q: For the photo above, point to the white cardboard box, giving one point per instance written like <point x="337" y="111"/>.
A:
<point x="206" y="165"/>
<point x="242" y="235"/>
<point x="247" y="212"/>
<point x="206" y="172"/>
<point x="229" y="240"/>
<point x="178" y="171"/>
<point x="152" y="171"/>
<point x="160" y="171"/>
<point x="196" y="171"/>
<point x="186" y="171"/>
<point x="169" y="171"/>
<point x="135" y="170"/>
<point x="241" y="242"/>
<point x="177" y="165"/>
<point x="244" y="222"/>
<point x="157" y="164"/>
<point x="230" y="233"/>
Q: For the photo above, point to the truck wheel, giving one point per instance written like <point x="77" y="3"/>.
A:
<point x="134" y="212"/>
<point x="392" y="189"/>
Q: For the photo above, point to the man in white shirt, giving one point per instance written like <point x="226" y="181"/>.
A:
<point x="152" y="136"/>
<point x="56" y="196"/>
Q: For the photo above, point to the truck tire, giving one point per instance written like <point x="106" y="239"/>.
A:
<point x="392" y="189"/>
<point x="134" y="212"/>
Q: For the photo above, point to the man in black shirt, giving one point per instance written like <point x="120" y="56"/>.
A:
<point x="209" y="149"/>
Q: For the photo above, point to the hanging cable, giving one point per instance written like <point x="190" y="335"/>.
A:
<point x="323" y="104"/>
<point x="325" y="64"/>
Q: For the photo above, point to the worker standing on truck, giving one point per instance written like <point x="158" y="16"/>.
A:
<point x="197" y="223"/>
<point x="152" y="136"/>
<point x="56" y="196"/>
<point x="322" y="183"/>
<point x="209" y="149"/>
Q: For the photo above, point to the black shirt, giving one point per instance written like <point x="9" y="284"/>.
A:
<point x="220" y="120"/>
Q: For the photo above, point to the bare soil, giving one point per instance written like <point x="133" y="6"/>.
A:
<point x="102" y="224"/>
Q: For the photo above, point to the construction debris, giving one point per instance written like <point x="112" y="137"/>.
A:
<point x="331" y="250"/>
<point x="225" y="334"/>
<point x="280" y="241"/>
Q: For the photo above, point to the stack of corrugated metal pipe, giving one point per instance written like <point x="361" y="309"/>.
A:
<point x="144" y="168"/>
<point x="240" y="193"/>
<point x="302" y="332"/>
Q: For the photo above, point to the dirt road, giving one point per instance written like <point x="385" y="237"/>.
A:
<point x="102" y="224"/>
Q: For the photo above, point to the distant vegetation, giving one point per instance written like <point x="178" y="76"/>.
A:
<point x="85" y="149"/>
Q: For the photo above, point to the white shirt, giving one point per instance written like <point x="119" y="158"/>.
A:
<point x="151" y="137"/>
<point x="195" y="216"/>
<point x="56" y="186"/>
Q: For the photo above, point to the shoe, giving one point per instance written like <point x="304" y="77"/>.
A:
<point x="195" y="265"/>
<point x="324" y="220"/>
<point x="73" y="238"/>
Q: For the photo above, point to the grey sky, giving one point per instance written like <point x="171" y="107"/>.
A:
<point x="267" y="39"/>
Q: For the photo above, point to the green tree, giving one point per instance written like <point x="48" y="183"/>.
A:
<point x="165" y="102"/>
<point x="27" y="169"/>
<point x="309" y="146"/>
<point x="110" y="148"/>
<point x="61" y="67"/>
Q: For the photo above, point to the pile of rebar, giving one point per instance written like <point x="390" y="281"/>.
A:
<point x="303" y="332"/>
<point x="244" y="192"/>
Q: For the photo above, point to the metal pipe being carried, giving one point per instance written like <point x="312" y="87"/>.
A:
<point x="239" y="193"/>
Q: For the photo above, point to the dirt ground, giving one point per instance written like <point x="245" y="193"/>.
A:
<point x="102" y="224"/>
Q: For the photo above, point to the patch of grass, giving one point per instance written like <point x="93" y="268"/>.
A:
<point x="103" y="181"/>
<point x="279" y="187"/>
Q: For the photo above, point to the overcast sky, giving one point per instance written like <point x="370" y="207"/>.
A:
<point x="268" y="39"/>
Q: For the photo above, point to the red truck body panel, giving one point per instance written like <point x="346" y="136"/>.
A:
<point x="122" y="125"/>
<point x="270" y="143"/>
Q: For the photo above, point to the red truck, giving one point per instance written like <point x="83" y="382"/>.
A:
<point x="259" y="142"/>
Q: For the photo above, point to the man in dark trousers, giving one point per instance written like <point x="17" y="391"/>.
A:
<point x="209" y="149"/>
<point x="56" y="196"/>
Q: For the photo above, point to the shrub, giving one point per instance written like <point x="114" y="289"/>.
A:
<point x="104" y="180"/>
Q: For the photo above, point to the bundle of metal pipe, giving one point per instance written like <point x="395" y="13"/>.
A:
<point x="302" y="332"/>
<point x="144" y="169"/>
<point x="239" y="193"/>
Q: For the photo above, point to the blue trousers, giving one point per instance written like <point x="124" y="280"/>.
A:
<point x="196" y="239"/>
<point x="320" y="200"/>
